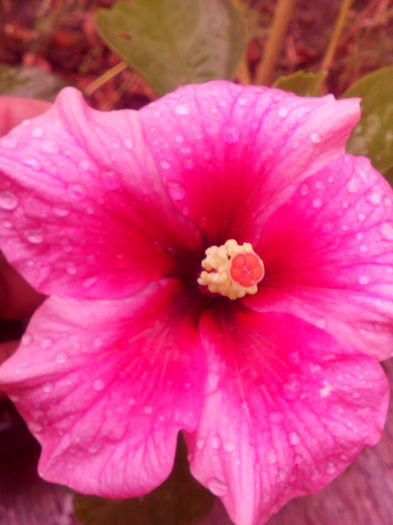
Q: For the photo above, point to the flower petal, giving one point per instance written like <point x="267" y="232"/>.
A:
<point x="286" y="410"/>
<point x="106" y="386"/>
<point x="13" y="110"/>
<point x="217" y="142"/>
<point x="328" y="255"/>
<point x="363" y="494"/>
<point x="83" y="200"/>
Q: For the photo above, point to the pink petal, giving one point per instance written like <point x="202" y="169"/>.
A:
<point x="83" y="200"/>
<point x="286" y="410"/>
<point x="362" y="495"/>
<point x="13" y="110"/>
<point x="105" y="386"/>
<point x="328" y="255"/>
<point x="218" y="143"/>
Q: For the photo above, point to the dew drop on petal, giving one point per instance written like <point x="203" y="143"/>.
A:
<point x="200" y="444"/>
<point x="26" y="339"/>
<point x="317" y="203"/>
<point x="89" y="282"/>
<point x="34" y="236"/>
<point x="61" y="210"/>
<point x="37" y="132"/>
<point x="33" y="163"/>
<point x="61" y="358"/>
<point x="229" y="447"/>
<point x="216" y="442"/>
<point x="316" y="138"/>
<point x="294" y="438"/>
<point x="77" y="191"/>
<point x="48" y="146"/>
<point x="47" y="388"/>
<point x="283" y="112"/>
<point x="71" y="269"/>
<point x="176" y="191"/>
<point x="148" y="410"/>
<point x="8" y="201"/>
<point x="97" y="342"/>
<point x="374" y="197"/>
<point x="231" y="135"/>
<point x="46" y="343"/>
<point x="128" y="144"/>
<point x="304" y="190"/>
<point x="84" y="165"/>
<point x="182" y="109"/>
<point x="165" y="165"/>
<point x="364" y="279"/>
<point x="9" y="142"/>
<point x="386" y="230"/>
<point x="217" y="487"/>
<point x="98" y="385"/>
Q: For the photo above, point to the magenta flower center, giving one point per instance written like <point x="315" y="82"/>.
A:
<point x="231" y="270"/>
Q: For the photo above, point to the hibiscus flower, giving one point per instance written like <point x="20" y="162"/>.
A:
<point x="216" y="265"/>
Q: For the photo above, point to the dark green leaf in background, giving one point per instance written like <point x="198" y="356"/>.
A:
<point x="175" y="42"/>
<point x="180" y="500"/>
<point x="301" y="83"/>
<point x="30" y="82"/>
<point x="373" y="136"/>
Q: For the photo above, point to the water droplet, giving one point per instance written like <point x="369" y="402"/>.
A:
<point x="189" y="164"/>
<point x="182" y="109"/>
<point x="353" y="185"/>
<point x="148" y="410"/>
<point x="283" y="112"/>
<point x="294" y="438"/>
<point x="216" y="442"/>
<point x="128" y="144"/>
<point x="316" y="138"/>
<point x="165" y="165"/>
<point x="363" y="248"/>
<point x="304" y="190"/>
<point x="46" y="343"/>
<point x="271" y="457"/>
<point x="61" y="358"/>
<point x="317" y="203"/>
<point x="48" y="387"/>
<point x="61" y="210"/>
<point x="200" y="444"/>
<point x="33" y="163"/>
<point x="9" y="142"/>
<point x="98" y="385"/>
<point x="231" y="135"/>
<point x="89" y="282"/>
<point x="97" y="342"/>
<point x="386" y="230"/>
<point x="84" y="165"/>
<point x="35" y="236"/>
<point x="26" y="339"/>
<point x="8" y="201"/>
<point x="364" y="279"/>
<point x="229" y="447"/>
<point x="91" y="259"/>
<point x="48" y="146"/>
<point x="176" y="190"/>
<point x="77" y="191"/>
<point x="71" y="269"/>
<point x="374" y="197"/>
<point x="217" y="487"/>
<point x="331" y="469"/>
<point x="37" y="132"/>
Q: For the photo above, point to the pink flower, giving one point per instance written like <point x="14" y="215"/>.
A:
<point x="111" y="213"/>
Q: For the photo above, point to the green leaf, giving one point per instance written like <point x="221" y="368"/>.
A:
<point x="373" y="136"/>
<point x="301" y="83"/>
<point x="180" y="500"/>
<point x="175" y="42"/>
<point x="30" y="82"/>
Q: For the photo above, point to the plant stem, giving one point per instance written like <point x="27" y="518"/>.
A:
<point x="334" y="39"/>
<point x="282" y="16"/>
<point x="105" y="77"/>
<point x="243" y="72"/>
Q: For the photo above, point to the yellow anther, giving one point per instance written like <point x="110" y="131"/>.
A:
<point x="231" y="270"/>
